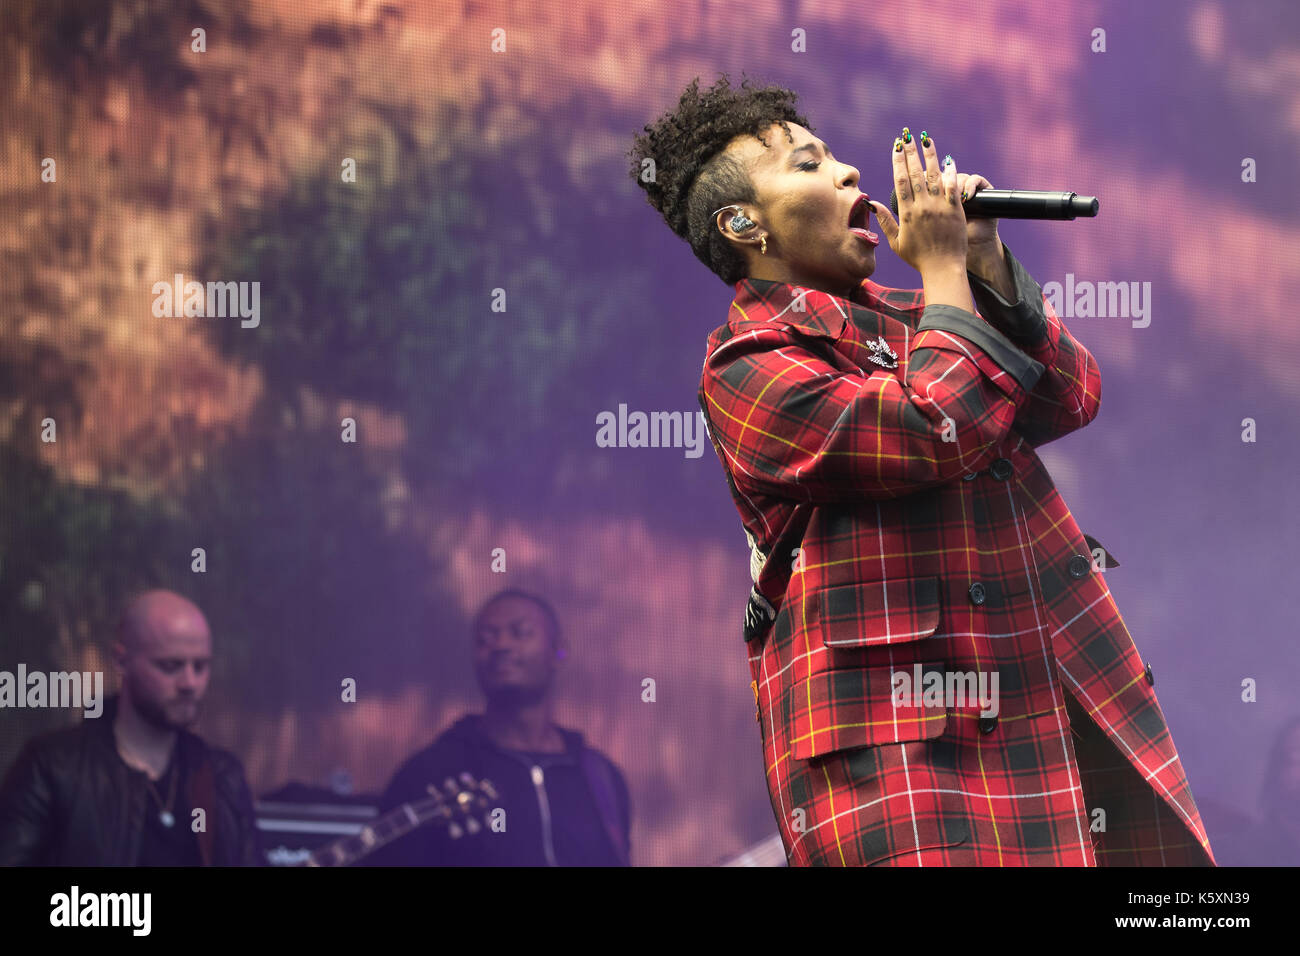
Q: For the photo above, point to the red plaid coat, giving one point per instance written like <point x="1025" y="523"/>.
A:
<point x="881" y="455"/>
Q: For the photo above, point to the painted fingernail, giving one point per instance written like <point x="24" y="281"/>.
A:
<point x="963" y="195"/>
<point x="907" y="135"/>
<point x="898" y="145"/>
<point x="925" y="139"/>
<point x="947" y="160"/>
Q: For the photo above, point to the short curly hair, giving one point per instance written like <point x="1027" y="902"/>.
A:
<point x="553" y="631"/>
<point x="693" y="177"/>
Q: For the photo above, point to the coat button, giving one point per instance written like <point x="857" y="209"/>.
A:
<point x="1151" y="678"/>
<point x="976" y="593"/>
<point x="1001" y="469"/>
<point x="1079" y="566"/>
<point x="988" y="724"/>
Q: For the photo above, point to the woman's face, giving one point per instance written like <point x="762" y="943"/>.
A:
<point x="810" y="208"/>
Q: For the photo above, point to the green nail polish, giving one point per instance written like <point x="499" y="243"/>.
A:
<point x="925" y="139"/>
<point x="907" y="135"/>
<point x="898" y="145"/>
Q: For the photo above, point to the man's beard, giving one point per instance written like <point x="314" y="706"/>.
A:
<point x="155" y="714"/>
<point x="512" y="696"/>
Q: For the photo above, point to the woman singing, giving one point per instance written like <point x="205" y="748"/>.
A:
<point x="940" y="673"/>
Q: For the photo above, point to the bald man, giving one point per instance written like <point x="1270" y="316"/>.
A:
<point x="135" y="787"/>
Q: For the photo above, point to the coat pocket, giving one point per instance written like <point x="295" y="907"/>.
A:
<point x="868" y="614"/>
<point x="857" y="707"/>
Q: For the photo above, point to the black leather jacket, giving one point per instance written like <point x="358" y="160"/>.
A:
<point x="69" y="800"/>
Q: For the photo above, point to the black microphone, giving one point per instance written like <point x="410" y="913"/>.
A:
<point x="1020" y="204"/>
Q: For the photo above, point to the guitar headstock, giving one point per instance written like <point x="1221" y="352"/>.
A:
<point x="460" y="802"/>
<point x="457" y="805"/>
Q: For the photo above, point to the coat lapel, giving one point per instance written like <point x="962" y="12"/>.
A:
<point x="868" y="333"/>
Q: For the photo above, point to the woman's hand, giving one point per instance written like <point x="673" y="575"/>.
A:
<point x="981" y="234"/>
<point x="984" y="256"/>
<point x="931" y="225"/>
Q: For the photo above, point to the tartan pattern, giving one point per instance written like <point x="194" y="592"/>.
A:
<point x="824" y="727"/>
<point x="1132" y="808"/>
<point x="904" y="518"/>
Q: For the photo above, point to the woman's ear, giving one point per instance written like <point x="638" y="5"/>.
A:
<point x="740" y="223"/>
<point x="732" y="221"/>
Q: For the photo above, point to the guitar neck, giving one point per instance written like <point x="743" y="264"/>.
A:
<point x="391" y="826"/>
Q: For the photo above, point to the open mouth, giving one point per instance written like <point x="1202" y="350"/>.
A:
<point x="860" y="220"/>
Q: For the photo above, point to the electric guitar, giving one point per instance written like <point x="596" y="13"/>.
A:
<point x="458" y="805"/>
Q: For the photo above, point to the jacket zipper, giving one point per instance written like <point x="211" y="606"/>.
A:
<point x="544" y="805"/>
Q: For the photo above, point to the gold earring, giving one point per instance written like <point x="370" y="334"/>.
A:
<point x="762" y="245"/>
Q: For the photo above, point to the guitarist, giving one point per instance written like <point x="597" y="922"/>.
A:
<point x="565" y="803"/>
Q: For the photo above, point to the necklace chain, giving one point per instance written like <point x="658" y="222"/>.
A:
<point x="164" y="809"/>
<point x="165" y="815"/>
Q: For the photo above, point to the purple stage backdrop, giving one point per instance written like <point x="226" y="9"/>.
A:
<point x="430" y="206"/>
